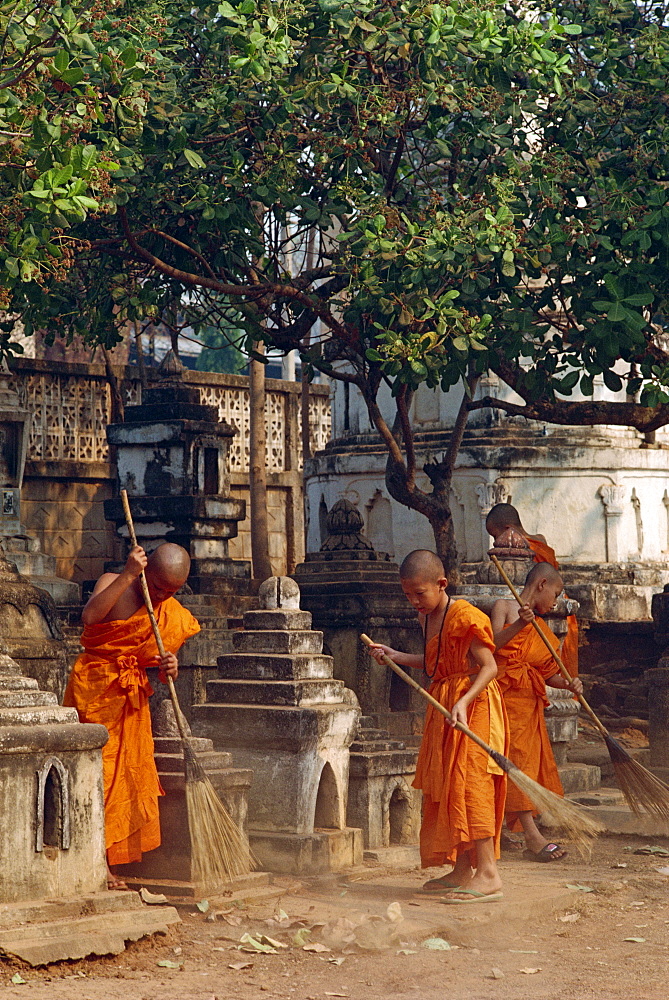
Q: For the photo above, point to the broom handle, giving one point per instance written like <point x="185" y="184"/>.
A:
<point x="152" y="617"/>
<point x="563" y="670"/>
<point x="433" y="701"/>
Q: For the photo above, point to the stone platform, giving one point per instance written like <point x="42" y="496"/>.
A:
<point x="57" y="930"/>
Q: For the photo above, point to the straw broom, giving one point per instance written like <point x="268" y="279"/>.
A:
<point x="642" y="790"/>
<point x="577" y="824"/>
<point x="219" y="850"/>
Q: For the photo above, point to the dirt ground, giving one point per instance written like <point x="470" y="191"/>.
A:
<point x="547" y="938"/>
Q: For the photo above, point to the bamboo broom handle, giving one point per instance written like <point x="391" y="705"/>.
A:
<point x="152" y="617"/>
<point x="563" y="670"/>
<point x="433" y="701"/>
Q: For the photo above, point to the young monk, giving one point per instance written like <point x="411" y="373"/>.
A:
<point x="109" y="685"/>
<point x="463" y="789"/>
<point x="502" y="523"/>
<point x="525" y="667"/>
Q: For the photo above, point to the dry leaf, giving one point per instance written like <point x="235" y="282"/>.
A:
<point x="496" y="974"/>
<point x="302" y="936"/>
<point x="238" y="966"/>
<point x="663" y="871"/>
<point x="570" y="918"/>
<point x="203" y="905"/>
<point x="167" y="963"/>
<point x="436" y="944"/>
<point x="635" y="940"/>
<point x="316" y="946"/>
<point x="272" y="942"/>
<point x="394" y="912"/>
<point x="337" y="994"/>
<point x="529" y="972"/>
<point x="18" y="979"/>
<point x="249" y="943"/>
<point x="407" y="951"/>
<point x="581" y="888"/>
<point x="334" y="960"/>
<point x="152" y="898"/>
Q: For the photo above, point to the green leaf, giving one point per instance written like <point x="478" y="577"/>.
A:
<point x="194" y="159"/>
<point x="612" y="380"/>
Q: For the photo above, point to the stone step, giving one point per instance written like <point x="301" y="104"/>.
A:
<point x="368" y="722"/>
<point x="33" y="715"/>
<point x="16" y="682"/>
<point x="181" y="893"/>
<point x="23" y="698"/>
<point x="173" y="763"/>
<point x="579" y="777"/>
<point x="277" y="641"/>
<point x="598" y="797"/>
<point x="172" y="744"/>
<point x="102" y="933"/>
<point x="367" y="734"/>
<point x="275" y="666"/>
<point x="268" y="692"/>
<point x="376" y="746"/>
<point x="619" y="818"/>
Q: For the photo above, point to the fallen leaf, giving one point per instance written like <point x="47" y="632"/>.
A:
<point x="635" y="940"/>
<point x="496" y="974"/>
<point x="167" y="963"/>
<point x="272" y="942"/>
<point x="412" y="903"/>
<point x="581" y="888"/>
<point x="334" y="960"/>
<point x="436" y="944"/>
<point x="18" y="979"/>
<point x="570" y="918"/>
<point x="316" y="946"/>
<point x="177" y="951"/>
<point x="394" y="912"/>
<point x="152" y="898"/>
<point x="302" y="936"/>
<point x="282" y="915"/>
<point x="249" y="943"/>
<point x="529" y="972"/>
<point x="406" y="951"/>
<point x="621" y="864"/>
<point x="238" y="966"/>
<point x="203" y="905"/>
<point x="663" y="871"/>
<point x="651" y="849"/>
<point x="337" y="994"/>
<point x="523" y="951"/>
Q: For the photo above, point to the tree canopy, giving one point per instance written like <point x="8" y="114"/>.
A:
<point x="406" y="192"/>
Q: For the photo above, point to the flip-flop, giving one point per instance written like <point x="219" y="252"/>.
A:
<point x="508" y="843"/>
<point x="115" y="884"/>
<point x="438" y="885"/>
<point x="546" y="854"/>
<point x="477" y="897"/>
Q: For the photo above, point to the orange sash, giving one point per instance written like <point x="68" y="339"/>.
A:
<point x="569" y="652"/>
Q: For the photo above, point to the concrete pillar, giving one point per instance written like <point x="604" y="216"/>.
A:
<point x="612" y="497"/>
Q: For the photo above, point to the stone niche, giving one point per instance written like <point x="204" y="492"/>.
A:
<point x="172" y="457"/>
<point x="351" y="588"/>
<point x="278" y="709"/>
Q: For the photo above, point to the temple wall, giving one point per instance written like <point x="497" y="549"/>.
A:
<point x="70" y="471"/>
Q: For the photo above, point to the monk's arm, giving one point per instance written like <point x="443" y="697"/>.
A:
<point x="111" y="586"/>
<point x="487" y="672"/>
<point x="503" y="633"/>
<point x="558" y="681"/>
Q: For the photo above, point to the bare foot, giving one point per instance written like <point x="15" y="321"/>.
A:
<point x="460" y="875"/>
<point x="486" y="885"/>
<point x="113" y="882"/>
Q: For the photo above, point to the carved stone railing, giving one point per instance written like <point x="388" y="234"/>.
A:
<point x="71" y="407"/>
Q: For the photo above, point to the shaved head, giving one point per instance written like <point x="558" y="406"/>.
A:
<point x="169" y="562"/>
<point x="503" y="515"/>
<point x="543" y="571"/>
<point x="422" y="564"/>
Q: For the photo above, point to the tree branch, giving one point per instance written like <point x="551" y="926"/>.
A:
<point x="583" y="413"/>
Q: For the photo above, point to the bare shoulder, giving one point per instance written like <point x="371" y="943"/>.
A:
<point x="104" y="581"/>
<point x="504" y="610"/>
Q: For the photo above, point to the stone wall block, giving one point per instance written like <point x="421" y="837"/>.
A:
<point x="275" y="667"/>
<point x="280" y="642"/>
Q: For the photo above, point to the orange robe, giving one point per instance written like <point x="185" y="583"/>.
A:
<point x="109" y="685"/>
<point x="569" y="652"/>
<point x="524" y="667"/>
<point x="463" y="789"/>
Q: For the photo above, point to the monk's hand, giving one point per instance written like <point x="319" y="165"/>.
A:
<point x="169" y="667"/>
<point x="378" y="651"/>
<point x="136" y="561"/>
<point x="575" y="685"/>
<point x="526" y="614"/>
<point x="459" y="713"/>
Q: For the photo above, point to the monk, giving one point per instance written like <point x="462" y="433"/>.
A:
<point x="109" y="685"/>
<point x="525" y="667"/>
<point x="502" y="523"/>
<point x="463" y="789"/>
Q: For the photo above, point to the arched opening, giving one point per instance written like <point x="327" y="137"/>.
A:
<point x="399" y="818"/>
<point x="399" y="699"/>
<point x="323" y="519"/>
<point x="326" y="815"/>
<point x="380" y="524"/>
<point x="52" y="826"/>
<point x="53" y="809"/>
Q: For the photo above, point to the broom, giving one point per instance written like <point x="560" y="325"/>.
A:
<point x="642" y="790"/>
<point x="579" y="827"/>
<point x="219" y="850"/>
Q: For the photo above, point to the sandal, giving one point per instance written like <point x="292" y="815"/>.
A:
<point x="439" y="885"/>
<point x="477" y="897"/>
<point x="546" y="854"/>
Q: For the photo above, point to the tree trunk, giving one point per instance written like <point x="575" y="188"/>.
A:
<point x="262" y="568"/>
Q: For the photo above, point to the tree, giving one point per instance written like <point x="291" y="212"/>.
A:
<point x="407" y="193"/>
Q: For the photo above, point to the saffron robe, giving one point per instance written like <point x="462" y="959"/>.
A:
<point x="569" y="652"/>
<point x="463" y="789"/>
<point x="524" y="667"/>
<point x="109" y="685"/>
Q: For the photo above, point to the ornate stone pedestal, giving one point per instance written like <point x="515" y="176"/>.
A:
<point x="281" y="713"/>
<point x="54" y="904"/>
<point x="350" y="588"/>
<point x="171" y="454"/>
